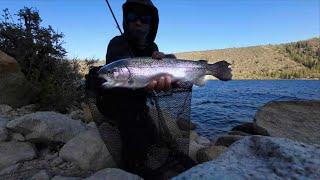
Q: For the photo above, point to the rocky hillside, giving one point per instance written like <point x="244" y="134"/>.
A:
<point x="268" y="61"/>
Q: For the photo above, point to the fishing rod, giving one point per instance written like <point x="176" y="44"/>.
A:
<point x="114" y="17"/>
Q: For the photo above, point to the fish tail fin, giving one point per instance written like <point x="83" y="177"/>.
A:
<point x="221" y="70"/>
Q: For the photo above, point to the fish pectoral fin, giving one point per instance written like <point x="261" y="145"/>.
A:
<point x="201" y="81"/>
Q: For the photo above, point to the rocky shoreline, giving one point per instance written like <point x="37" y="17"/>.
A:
<point x="282" y="141"/>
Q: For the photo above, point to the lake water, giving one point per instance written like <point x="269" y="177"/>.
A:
<point x="219" y="106"/>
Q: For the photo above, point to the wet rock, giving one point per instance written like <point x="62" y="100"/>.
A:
<point x="114" y="174"/>
<point x="296" y="120"/>
<point x="15" y="90"/>
<point x="13" y="152"/>
<point x="227" y="140"/>
<point x="261" y="157"/>
<point x="251" y="128"/>
<point x="88" y="151"/>
<point x="209" y="154"/>
<point x="42" y="175"/>
<point x="46" y="127"/>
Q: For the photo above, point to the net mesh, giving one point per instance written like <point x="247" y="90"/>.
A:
<point x="150" y="137"/>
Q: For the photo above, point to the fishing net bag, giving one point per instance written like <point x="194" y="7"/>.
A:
<point x="149" y="135"/>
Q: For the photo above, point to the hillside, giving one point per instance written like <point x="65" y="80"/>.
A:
<point x="285" y="61"/>
<point x="297" y="60"/>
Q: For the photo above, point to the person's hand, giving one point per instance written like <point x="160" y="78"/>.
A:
<point x="162" y="83"/>
<point x="158" y="55"/>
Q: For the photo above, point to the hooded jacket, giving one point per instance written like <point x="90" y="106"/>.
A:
<point x="120" y="47"/>
<point x="128" y="107"/>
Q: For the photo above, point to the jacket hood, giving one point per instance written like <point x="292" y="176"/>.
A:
<point x="149" y="6"/>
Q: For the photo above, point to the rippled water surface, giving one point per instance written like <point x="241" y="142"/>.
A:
<point x="219" y="106"/>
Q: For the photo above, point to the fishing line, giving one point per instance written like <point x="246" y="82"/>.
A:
<point x="114" y="17"/>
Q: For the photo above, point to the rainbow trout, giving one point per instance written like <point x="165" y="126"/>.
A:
<point x="138" y="72"/>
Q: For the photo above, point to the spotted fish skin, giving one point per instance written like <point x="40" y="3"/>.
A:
<point x="138" y="72"/>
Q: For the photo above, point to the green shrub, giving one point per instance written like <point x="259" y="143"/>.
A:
<point x="41" y="56"/>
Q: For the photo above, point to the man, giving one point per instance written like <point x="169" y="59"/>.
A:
<point x="128" y="107"/>
<point x="140" y="24"/>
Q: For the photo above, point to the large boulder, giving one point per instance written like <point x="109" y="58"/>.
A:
<point x="261" y="157"/>
<point x="46" y="127"/>
<point x="13" y="152"/>
<point x="88" y="151"/>
<point x="15" y="90"/>
<point x="8" y="64"/>
<point x="297" y="120"/>
<point x="114" y="174"/>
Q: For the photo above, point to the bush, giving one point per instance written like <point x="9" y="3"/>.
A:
<point x="41" y="56"/>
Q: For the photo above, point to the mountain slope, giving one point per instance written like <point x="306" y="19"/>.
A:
<point x="268" y="61"/>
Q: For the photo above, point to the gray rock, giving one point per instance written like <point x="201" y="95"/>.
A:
<point x="57" y="161"/>
<point x="77" y="114"/>
<point x="28" y="109"/>
<point x="296" y="120"/>
<point x="227" y="140"/>
<point x="260" y="157"/>
<point x="50" y="156"/>
<point x="239" y="133"/>
<point x="18" y="137"/>
<point x="203" y="141"/>
<point x="65" y="178"/>
<point x="9" y="169"/>
<point x="193" y="135"/>
<point x="5" y="109"/>
<point x="193" y="149"/>
<point x="88" y="151"/>
<point x="13" y="152"/>
<point x="114" y="174"/>
<point x="42" y="175"/>
<point x="3" y="130"/>
<point x="209" y="154"/>
<point x="251" y="128"/>
<point x="92" y="125"/>
<point x="46" y="126"/>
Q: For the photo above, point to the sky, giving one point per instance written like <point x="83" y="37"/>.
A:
<point x="185" y="25"/>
